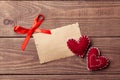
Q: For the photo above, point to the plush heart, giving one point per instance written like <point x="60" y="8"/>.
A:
<point x="79" y="47"/>
<point x="95" y="60"/>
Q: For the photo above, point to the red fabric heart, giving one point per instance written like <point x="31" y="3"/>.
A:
<point x="79" y="47"/>
<point x="95" y="60"/>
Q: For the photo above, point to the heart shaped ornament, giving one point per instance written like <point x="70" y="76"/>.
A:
<point x="95" y="61"/>
<point x="79" y="47"/>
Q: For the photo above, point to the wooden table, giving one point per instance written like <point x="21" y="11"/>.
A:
<point x="100" y="20"/>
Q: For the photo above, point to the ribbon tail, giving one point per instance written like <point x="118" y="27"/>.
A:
<point x="20" y="30"/>
<point x="46" y="31"/>
<point x="25" y="43"/>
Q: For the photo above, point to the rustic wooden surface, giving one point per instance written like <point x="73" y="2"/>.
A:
<point x="100" y="20"/>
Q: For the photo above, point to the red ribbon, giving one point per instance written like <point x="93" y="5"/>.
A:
<point x="29" y="32"/>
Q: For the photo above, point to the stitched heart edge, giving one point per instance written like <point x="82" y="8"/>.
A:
<point x="83" y="36"/>
<point x="108" y="61"/>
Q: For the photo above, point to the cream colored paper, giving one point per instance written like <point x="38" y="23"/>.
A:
<point x="54" y="46"/>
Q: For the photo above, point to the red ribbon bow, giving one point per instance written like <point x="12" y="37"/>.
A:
<point x="29" y="32"/>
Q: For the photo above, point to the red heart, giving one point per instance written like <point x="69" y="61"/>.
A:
<point x="79" y="47"/>
<point x="95" y="60"/>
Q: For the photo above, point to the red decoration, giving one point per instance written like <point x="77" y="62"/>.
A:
<point x="95" y="60"/>
<point x="79" y="47"/>
<point x="38" y="20"/>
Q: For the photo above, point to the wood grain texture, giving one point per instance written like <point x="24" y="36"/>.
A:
<point x="96" y="18"/>
<point x="60" y="77"/>
<point x="99" y="19"/>
<point x="14" y="61"/>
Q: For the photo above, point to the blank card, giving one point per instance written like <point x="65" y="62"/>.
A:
<point x="54" y="46"/>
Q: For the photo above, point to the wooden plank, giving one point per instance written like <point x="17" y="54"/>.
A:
<point x="60" y="77"/>
<point x="14" y="61"/>
<point x="96" y="18"/>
